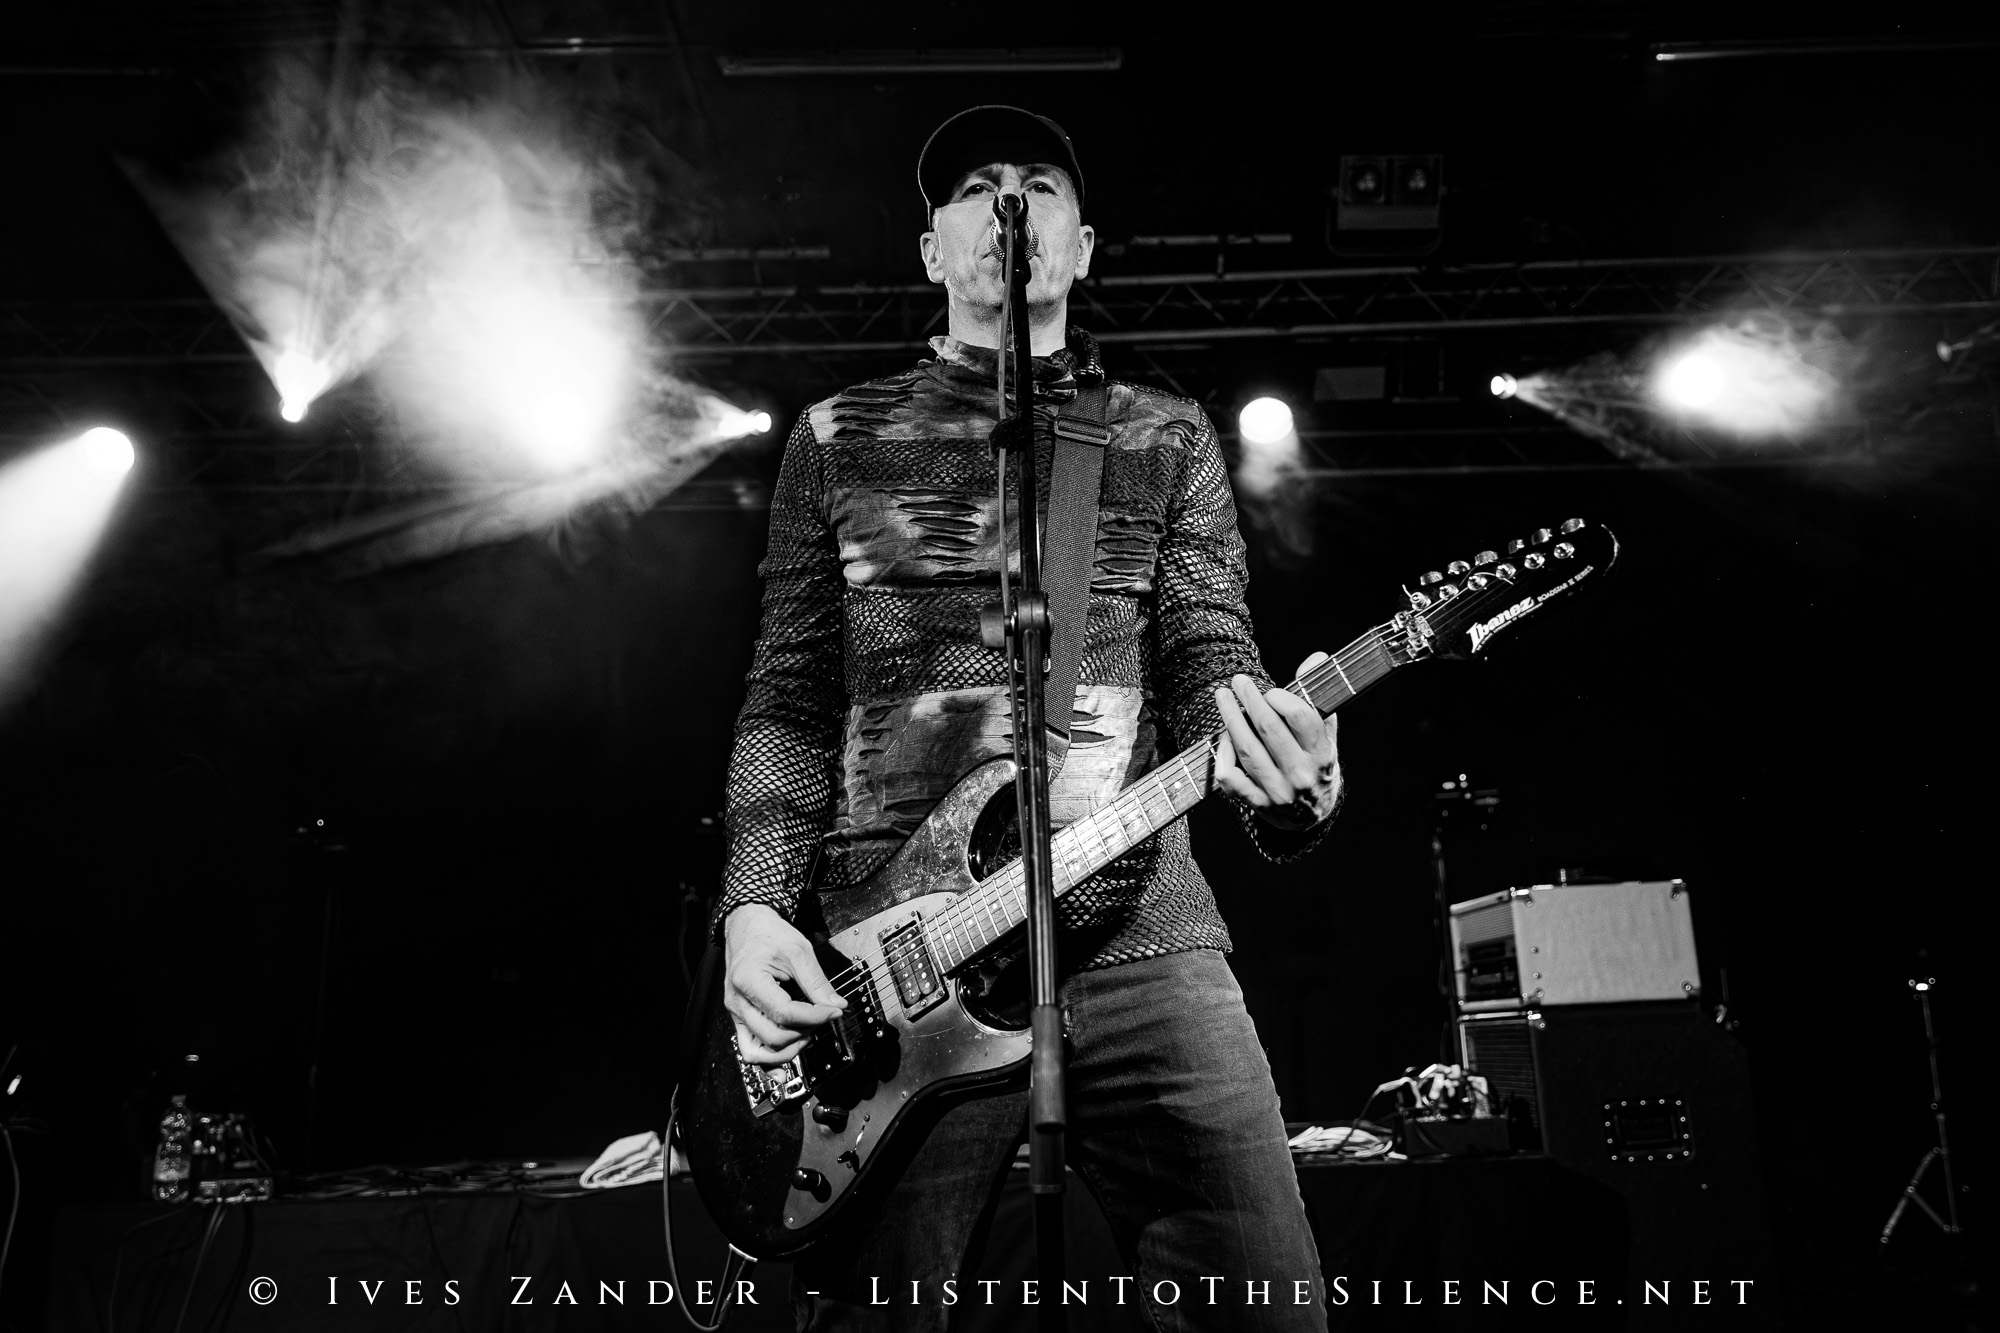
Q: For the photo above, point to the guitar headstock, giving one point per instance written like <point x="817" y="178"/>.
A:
<point x="1459" y="609"/>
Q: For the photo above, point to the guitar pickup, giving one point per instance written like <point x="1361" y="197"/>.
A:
<point x="907" y="951"/>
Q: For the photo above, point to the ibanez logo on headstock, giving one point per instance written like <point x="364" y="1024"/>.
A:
<point x="1466" y="604"/>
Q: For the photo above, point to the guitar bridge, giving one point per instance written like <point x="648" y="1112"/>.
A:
<point x="775" y="1088"/>
<point x="835" y="1047"/>
<point x="907" y="951"/>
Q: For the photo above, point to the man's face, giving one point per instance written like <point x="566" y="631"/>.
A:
<point x="957" y="250"/>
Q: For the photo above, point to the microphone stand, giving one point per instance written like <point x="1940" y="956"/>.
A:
<point x="1942" y="1152"/>
<point x="1024" y="617"/>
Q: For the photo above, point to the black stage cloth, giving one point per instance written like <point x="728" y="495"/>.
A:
<point x="1412" y="1227"/>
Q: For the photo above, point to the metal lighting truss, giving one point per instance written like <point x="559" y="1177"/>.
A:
<point x="1187" y="309"/>
<point x="1207" y="308"/>
<point x="180" y="361"/>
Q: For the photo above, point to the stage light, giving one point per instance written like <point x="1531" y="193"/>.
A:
<point x="1692" y="381"/>
<point x="1416" y="181"/>
<point x="109" y="452"/>
<point x="734" y="424"/>
<point x="1270" y="453"/>
<point x="299" y="379"/>
<point x="54" y="504"/>
<point x="1751" y="379"/>
<point x="1264" y="421"/>
<point x="1504" y="386"/>
<point x="1388" y="205"/>
<point x="1364" y="180"/>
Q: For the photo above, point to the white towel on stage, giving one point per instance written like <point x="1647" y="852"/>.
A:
<point x="632" y="1160"/>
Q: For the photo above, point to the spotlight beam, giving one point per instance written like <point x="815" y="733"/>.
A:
<point x="734" y="424"/>
<point x="1750" y="379"/>
<point x="54" y="505"/>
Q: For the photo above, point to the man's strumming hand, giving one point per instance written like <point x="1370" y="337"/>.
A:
<point x="762" y="951"/>
<point x="1277" y="754"/>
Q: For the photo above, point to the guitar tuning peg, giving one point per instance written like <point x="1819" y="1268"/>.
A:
<point x="1484" y="558"/>
<point x="1516" y="546"/>
<point x="1431" y="579"/>
<point x="1540" y="537"/>
<point x="1458" y="568"/>
<point x="1419" y="601"/>
<point x="1570" y="525"/>
<point x="1505" y="569"/>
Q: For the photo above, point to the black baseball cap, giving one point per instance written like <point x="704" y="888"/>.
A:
<point x="984" y="134"/>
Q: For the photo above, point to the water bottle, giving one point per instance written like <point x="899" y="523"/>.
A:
<point x="171" y="1164"/>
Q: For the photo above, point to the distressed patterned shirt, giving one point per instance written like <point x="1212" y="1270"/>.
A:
<point x="871" y="695"/>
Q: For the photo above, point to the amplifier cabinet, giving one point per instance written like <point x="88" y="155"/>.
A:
<point x="1653" y="1102"/>
<point x="1501" y="1047"/>
<point x="1557" y="944"/>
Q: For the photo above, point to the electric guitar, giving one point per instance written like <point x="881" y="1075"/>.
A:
<point x="921" y="950"/>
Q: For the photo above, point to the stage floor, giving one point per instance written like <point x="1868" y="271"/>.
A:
<point x="1392" y="1235"/>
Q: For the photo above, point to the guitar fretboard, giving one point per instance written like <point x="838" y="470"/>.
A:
<point x="979" y="918"/>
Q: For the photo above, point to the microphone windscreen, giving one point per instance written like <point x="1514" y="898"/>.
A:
<point x="996" y="241"/>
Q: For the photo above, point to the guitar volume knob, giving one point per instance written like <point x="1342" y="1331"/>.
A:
<point x="812" y="1182"/>
<point x="832" y="1117"/>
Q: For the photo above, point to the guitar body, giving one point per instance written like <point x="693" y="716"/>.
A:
<point x="921" y="950"/>
<point x="751" y="1156"/>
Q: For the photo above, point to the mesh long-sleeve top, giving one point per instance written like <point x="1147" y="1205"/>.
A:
<point x="871" y="695"/>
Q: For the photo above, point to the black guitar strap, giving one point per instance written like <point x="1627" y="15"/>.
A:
<point x="1069" y="552"/>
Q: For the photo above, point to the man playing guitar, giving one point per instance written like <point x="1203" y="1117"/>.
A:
<point x="871" y="694"/>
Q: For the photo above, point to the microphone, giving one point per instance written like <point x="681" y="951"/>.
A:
<point x="996" y="240"/>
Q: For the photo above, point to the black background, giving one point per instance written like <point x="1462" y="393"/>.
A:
<point x="491" y="774"/>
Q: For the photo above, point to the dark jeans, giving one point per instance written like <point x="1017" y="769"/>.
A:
<point x="1173" y="1124"/>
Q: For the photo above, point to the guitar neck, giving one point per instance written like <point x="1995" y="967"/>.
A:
<point x="981" y="917"/>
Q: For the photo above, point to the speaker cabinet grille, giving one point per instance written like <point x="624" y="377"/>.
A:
<point x="1499" y="1047"/>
